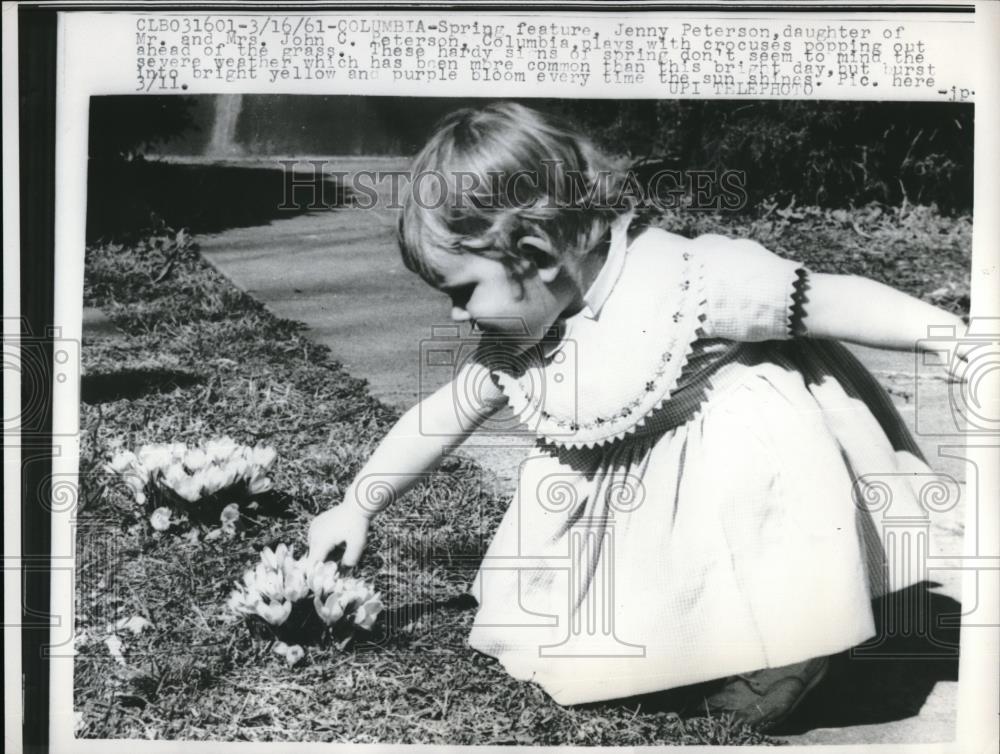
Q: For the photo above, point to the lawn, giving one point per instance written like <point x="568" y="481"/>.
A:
<point x="196" y="358"/>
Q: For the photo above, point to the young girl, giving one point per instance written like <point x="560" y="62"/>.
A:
<point x="689" y="512"/>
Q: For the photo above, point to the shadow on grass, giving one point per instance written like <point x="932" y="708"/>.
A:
<point x="884" y="680"/>
<point x="125" y="197"/>
<point x="132" y="383"/>
<point x="395" y="620"/>
<point x="889" y="677"/>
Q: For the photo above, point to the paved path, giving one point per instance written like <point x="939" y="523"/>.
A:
<point x="339" y="272"/>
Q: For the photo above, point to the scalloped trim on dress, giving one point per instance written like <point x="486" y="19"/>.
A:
<point x="600" y="430"/>
<point x="797" y="306"/>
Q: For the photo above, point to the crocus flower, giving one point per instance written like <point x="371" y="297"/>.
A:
<point x="220" y="449"/>
<point x="189" y="489"/>
<point x="269" y="582"/>
<point x="239" y="467"/>
<point x="263" y="457"/>
<point x="323" y="578"/>
<point x="244" y="601"/>
<point x="268" y="558"/>
<point x="281" y="552"/>
<point x="294" y="654"/>
<point x="329" y="610"/>
<point x="275" y="612"/>
<point x="296" y="583"/>
<point x="124" y="460"/>
<point x="175" y="476"/>
<point x="230" y="514"/>
<point x="212" y="479"/>
<point x="259" y="485"/>
<point x="354" y="592"/>
<point x="160" y="520"/>
<point x="280" y="648"/>
<point x="192" y="537"/>
<point x="155" y="457"/>
<point x="368" y="613"/>
<point x="195" y="459"/>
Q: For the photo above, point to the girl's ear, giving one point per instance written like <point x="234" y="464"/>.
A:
<point x="541" y="254"/>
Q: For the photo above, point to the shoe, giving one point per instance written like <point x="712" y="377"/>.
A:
<point x="766" y="697"/>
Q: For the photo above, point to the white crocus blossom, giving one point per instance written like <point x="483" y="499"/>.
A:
<point x="244" y="601"/>
<point x="354" y="592"/>
<point x="337" y="597"/>
<point x="275" y="612"/>
<point x="280" y="580"/>
<point x="268" y="558"/>
<point x="280" y="648"/>
<point x="175" y="476"/>
<point x="123" y="461"/>
<point x="194" y="473"/>
<point x="329" y="610"/>
<point x="212" y="478"/>
<point x="230" y="514"/>
<point x="323" y="578"/>
<point x="189" y="489"/>
<point x="259" y="485"/>
<point x="368" y="613"/>
<point x="269" y="582"/>
<point x="296" y="581"/>
<point x="155" y="457"/>
<point x="235" y="470"/>
<point x="160" y="520"/>
<point x="281" y="553"/>
<point x="221" y="449"/>
<point x="263" y="456"/>
<point x="196" y="459"/>
<point x="294" y="654"/>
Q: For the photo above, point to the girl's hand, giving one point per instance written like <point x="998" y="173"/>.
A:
<point x="343" y="524"/>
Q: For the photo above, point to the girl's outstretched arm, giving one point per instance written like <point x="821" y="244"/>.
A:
<point x="414" y="446"/>
<point x="863" y="311"/>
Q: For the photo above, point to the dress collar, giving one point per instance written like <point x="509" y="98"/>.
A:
<point x="600" y="290"/>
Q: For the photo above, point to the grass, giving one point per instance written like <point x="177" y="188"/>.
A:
<point x="195" y="674"/>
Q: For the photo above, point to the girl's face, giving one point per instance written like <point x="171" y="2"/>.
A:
<point x="484" y="294"/>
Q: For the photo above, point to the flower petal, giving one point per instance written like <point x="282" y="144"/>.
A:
<point x="294" y="654"/>
<point x="160" y="520"/>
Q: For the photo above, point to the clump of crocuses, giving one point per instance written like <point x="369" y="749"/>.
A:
<point x="285" y="596"/>
<point x="211" y="482"/>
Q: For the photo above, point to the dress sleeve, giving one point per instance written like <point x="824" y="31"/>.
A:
<point x="751" y="293"/>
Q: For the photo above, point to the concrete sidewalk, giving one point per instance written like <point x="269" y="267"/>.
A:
<point x="340" y="273"/>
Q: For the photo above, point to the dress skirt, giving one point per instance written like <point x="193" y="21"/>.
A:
<point x="746" y="536"/>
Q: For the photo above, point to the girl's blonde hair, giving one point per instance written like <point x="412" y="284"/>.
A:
<point x="490" y="176"/>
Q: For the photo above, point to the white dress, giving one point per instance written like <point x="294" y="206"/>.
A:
<point x="692" y="510"/>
